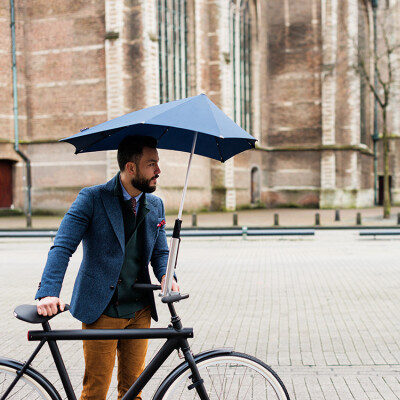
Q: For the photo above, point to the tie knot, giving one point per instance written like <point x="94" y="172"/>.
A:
<point x="133" y="205"/>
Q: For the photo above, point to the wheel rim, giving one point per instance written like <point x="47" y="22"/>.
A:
<point x="26" y="387"/>
<point x="229" y="377"/>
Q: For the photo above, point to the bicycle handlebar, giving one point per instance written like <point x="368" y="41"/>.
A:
<point x="172" y="298"/>
<point x="146" y="286"/>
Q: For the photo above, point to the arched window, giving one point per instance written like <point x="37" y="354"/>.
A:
<point x="255" y="185"/>
<point x="240" y="50"/>
<point x="172" y="49"/>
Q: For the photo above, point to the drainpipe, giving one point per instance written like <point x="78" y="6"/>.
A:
<point x="375" y="136"/>
<point x="16" y="128"/>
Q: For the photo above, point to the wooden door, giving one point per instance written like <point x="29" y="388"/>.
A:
<point x="5" y="184"/>
<point x="380" y="189"/>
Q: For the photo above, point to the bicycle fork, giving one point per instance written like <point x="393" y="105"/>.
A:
<point x="197" y="381"/>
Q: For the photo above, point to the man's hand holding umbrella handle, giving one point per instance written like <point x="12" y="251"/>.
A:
<point x="49" y="306"/>
<point x="174" y="287"/>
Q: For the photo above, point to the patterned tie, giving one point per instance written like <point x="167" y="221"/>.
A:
<point x="133" y="205"/>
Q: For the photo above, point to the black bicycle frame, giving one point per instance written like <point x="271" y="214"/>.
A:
<point x="175" y="334"/>
<point x="175" y="340"/>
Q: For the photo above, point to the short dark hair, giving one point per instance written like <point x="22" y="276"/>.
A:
<point x="131" y="149"/>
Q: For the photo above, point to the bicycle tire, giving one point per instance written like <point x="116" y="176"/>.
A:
<point x="226" y="376"/>
<point x="32" y="385"/>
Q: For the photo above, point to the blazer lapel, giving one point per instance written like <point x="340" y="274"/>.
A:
<point x="113" y="210"/>
<point x="149" y="230"/>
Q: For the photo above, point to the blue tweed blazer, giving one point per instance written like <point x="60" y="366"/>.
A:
<point x="95" y="219"/>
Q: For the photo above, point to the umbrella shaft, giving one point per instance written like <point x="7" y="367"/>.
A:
<point x="187" y="176"/>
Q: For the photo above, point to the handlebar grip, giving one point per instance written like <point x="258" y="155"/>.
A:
<point x="174" y="297"/>
<point x="145" y="286"/>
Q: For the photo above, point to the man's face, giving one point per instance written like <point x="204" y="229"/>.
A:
<point x="147" y="171"/>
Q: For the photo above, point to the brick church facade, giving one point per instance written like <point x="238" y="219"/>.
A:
<point x="283" y="70"/>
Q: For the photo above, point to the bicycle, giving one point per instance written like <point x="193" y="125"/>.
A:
<point x="214" y="374"/>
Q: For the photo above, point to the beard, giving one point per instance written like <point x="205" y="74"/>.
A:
<point x="144" y="184"/>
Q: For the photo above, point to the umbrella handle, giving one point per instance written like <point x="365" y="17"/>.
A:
<point x="173" y="258"/>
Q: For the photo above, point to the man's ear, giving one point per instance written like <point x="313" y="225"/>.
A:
<point x="130" y="168"/>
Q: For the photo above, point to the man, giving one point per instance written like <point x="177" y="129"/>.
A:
<point x="121" y="226"/>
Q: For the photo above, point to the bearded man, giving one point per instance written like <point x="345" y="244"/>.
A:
<point x="121" y="227"/>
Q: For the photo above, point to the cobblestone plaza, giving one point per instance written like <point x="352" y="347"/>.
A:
<point x="322" y="311"/>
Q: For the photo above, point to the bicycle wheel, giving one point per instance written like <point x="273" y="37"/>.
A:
<point x="31" y="386"/>
<point x="233" y="376"/>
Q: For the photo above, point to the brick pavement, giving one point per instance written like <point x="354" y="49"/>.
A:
<point x="322" y="311"/>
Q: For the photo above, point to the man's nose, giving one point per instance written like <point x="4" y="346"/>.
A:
<point x="158" y="170"/>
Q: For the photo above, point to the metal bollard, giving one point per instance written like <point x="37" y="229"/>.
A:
<point x="194" y="219"/>
<point x="244" y="232"/>
<point x="337" y="215"/>
<point x="358" y="219"/>
<point x="398" y="219"/>
<point x="317" y="219"/>
<point x="235" y="219"/>
<point x="276" y="219"/>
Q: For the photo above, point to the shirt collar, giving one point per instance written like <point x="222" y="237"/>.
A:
<point x="126" y="195"/>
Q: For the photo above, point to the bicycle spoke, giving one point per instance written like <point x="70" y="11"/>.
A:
<point x="229" y="377"/>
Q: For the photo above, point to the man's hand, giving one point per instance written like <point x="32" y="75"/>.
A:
<point x="174" y="287"/>
<point x="47" y="306"/>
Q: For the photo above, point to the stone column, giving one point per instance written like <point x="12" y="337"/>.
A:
<point x="329" y="24"/>
<point x="114" y="70"/>
<point x="228" y="97"/>
<point x="353" y="78"/>
<point x="150" y="46"/>
<point x="353" y="102"/>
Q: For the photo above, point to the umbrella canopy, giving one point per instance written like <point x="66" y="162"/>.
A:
<point x="173" y="124"/>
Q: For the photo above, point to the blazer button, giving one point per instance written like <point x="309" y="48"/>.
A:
<point x="112" y="287"/>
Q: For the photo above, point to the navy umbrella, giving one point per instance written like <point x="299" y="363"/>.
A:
<point x="173" y="124"/>
<point x="194" y="125"/>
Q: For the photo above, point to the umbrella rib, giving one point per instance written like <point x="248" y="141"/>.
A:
<point x="103" y="136"/>
<point x="252" y="145"/>
<point x="219" y="150"/>
<point x="166" y="130"/>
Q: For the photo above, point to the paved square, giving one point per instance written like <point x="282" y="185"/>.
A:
<point x="323" y="311"/>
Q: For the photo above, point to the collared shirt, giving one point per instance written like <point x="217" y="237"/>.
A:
<point x="127" y="196"/>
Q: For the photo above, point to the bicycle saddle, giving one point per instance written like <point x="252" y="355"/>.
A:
<point x="28" y="313"/>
